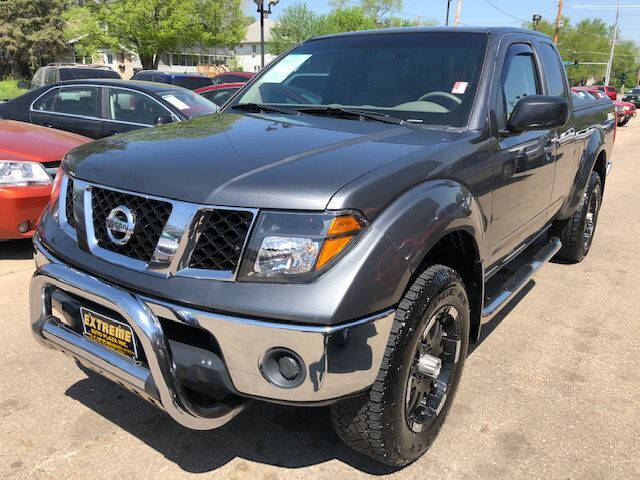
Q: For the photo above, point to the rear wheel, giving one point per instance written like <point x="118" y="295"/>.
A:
<point x="396" y="422"/>
<point x="576" y="233"/>
<point x="623" y="122"/>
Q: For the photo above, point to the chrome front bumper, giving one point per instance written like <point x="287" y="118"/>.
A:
<point x="339" y="360"/>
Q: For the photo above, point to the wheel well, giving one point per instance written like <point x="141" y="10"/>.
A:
<point x="600" y="168"/>
<point x="458" y="250"/>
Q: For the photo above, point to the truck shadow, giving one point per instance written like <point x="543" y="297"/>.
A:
<point x="265" y="433"/>
<point x="16" y="250"/>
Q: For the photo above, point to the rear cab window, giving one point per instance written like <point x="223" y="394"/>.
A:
<point x="83" y="73"/>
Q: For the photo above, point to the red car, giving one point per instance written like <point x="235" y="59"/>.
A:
<point x="29" y="158"/>
<point x="625" y="111"/>
<point x="232" y="77"/>
<point x="219" y="94"/>
<point x="608" y="90"/>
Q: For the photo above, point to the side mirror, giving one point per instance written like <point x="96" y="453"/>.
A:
<point x="538" y="112"/>
<point x="163" y="120"/>
<point x="24" y="85"/>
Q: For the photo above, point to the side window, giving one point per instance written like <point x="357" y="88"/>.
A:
<point x="554" y="70"/>
<point x="134" y="107"/>
<point x="71" y="101"/>
<point x="37" y="78"/>
<point x="50" y="76"/>
<point x="519" y="77"/>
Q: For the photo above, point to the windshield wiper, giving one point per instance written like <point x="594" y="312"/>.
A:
<point x="261" y="107"/>
<point x="351" y="112"/>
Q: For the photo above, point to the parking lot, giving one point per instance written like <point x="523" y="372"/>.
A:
<point x="552" y="391"/>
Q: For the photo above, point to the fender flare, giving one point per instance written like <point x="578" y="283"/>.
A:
<point x="423" y="215"/>
<point x="594" y="147"/>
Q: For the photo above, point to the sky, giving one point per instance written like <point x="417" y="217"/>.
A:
<point x="482" y="12"/>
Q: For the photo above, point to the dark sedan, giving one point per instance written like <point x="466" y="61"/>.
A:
<point x="98" y="108"/>
<point x="633" y="96"/>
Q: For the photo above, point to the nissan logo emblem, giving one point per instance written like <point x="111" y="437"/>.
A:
<point x="120" y="223"/>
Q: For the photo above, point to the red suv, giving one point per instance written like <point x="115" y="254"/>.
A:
<point x="609" y="91"/>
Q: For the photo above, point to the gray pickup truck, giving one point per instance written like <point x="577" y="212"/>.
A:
<point x="337" y="235"/>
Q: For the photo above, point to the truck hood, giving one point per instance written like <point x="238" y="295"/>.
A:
<point x="260" y="161"/>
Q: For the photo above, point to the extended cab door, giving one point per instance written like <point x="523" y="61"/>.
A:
<point x="523" y="162"/>
<point x="566" y="154"/>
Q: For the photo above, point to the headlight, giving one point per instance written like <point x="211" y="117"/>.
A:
<point x="20" y="174"/>
<point x="55" y="194"/>
<point x="298" y="246"/>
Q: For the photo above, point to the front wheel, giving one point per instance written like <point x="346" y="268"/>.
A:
<point x="623" y="122"/>
<point x="576" y="233"/>
<point x="398" y="419"/>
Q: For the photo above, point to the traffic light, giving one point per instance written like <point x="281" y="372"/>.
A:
<point x="576" y="63"/>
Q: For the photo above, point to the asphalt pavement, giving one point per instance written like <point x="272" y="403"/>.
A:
<point x="551" y="392"/>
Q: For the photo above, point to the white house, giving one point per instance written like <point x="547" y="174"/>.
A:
<point x="246" y="55"/>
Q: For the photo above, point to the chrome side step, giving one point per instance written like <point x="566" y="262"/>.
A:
<point x="518" y="280"/>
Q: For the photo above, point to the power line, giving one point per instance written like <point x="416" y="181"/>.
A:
<point x="505" y="12"/>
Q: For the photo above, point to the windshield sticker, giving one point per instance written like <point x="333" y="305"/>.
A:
<point x="284" y="68"/>
<point x="459" y="88"/>
<point x="176" y="102"/>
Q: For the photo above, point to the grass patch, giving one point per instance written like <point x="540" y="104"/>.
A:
<point x="9" y="89"/>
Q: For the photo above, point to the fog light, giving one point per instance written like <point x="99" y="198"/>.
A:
<point x="289" y="367"/>
<point x="283" y="368"/>
<point x="24" y="227"/>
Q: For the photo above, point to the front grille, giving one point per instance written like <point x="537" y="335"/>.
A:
<point x="150" y="217"/>
<point x="221" y="241"/>
<point x="68" y="205"/>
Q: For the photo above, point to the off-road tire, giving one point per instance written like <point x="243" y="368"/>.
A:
<point x="571" y="232"/>
<point x="376" y="423"/>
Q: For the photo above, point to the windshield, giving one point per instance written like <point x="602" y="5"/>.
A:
<point x="188" y="103"/>
<point x="420" y="77"/>
<point x="635" y="91"/>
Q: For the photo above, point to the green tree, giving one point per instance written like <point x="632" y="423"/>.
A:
<point x="296" y="24"/>
<point x="31" y="34"/>
<point x="590" y="41"/>
<point x="156" y="27"/>
<point x="374" y="8"/>
<point x="347" y="20"/>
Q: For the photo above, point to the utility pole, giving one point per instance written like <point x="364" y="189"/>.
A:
<point x="556" y="36"/>
<point x="262" y="11"/>
<point x="448" y="7"/>
<point x="613" y="46"/>
<point x="456" y="21"/>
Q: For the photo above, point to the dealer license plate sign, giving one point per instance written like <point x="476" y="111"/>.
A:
<point x="111" y="333"/>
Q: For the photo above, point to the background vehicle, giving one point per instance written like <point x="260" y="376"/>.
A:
<point x="338" y="240"/>
<point x="633" y="96"/>
<point x="625" y="111"/>
<point x="29" y="159"/>
<point x="219" y="94"/>
<point x="98" y="108"/>
<point x="191" y="81"/>
<point x="60" y="72"/>
<point x="232" y="77"/>
<point x="609" y="90"/>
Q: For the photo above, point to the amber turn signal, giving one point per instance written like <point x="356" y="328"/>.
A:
<point x="330" y="248"/>
<point x="343" y="224"/>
